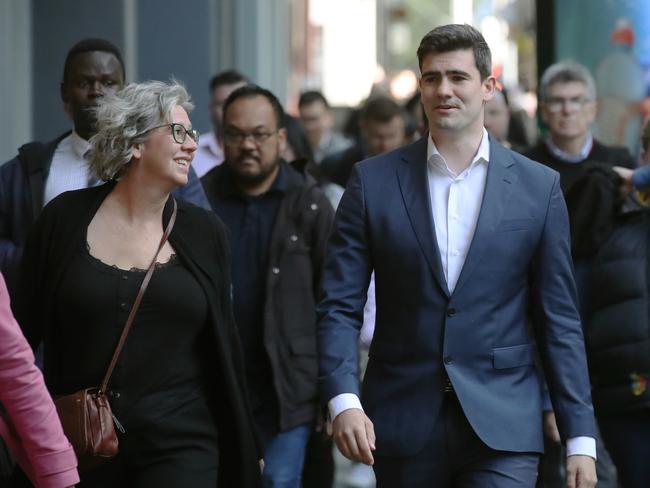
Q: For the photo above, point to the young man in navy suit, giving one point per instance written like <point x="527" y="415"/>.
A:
<point x="469" y="243"/>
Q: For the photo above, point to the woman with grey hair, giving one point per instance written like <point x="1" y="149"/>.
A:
<point x="178" y="387"/>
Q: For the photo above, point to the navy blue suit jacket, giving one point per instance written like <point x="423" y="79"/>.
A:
<point x="514" y="303"/>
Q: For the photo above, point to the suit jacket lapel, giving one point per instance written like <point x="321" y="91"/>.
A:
<point x="500" y="182"/>
<point x="413" y="182"/>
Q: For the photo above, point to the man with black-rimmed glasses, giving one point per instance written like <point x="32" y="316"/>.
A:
<point x="567" y="93"/>
<point x="279" y="222"/>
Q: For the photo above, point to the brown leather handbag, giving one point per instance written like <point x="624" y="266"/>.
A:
<point x="86" y="415"/>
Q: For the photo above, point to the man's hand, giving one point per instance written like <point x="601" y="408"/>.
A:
<point x="354" y="435"/>
<point x="550" y="427"/>
<point x="580" y="472"/>
<point x="626" y="179"/>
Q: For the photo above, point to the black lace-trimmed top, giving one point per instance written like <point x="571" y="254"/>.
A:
<point x="172" y="260"/>
<point x="166" y="350"/>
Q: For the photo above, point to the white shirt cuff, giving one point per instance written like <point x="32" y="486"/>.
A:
<point x="342" y="402"/>
<point x="581" y="446"/>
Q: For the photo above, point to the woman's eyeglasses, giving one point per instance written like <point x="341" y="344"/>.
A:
<point x="179" y="132"/>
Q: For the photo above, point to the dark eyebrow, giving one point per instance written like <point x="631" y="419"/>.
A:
<point x="450" y="72"/>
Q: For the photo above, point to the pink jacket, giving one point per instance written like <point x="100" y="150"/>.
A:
<point x="33" y="434"/>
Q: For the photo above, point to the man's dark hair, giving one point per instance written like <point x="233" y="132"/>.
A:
<point x="381" y="109"/>
<point x="453" y="37"/>
<point x="91" y="45"/>
<point x="312" y="96"/>
<point x="228" y="77"/>
<point x="250" y="91"/>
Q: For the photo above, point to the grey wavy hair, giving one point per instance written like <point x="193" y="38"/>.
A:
<point x="124" y="120"/>
<point x="565" y="72"/>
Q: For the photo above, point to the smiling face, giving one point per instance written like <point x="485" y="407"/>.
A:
<point x="453" y="94"/>
<point x="161" y="158"/>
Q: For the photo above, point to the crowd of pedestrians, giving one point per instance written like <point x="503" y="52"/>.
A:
<point x="425" y="294"/>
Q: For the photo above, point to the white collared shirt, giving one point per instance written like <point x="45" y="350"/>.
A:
<point x="69" y="169"/>
<point x="565" y="157"/>
<point x="207" y="155"/>
<point x="455" y="205"/>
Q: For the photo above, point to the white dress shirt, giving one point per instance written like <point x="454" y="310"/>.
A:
<point x="69" y="169"/>
<point x="455" y="205"/>
<point x="207" y="155"/>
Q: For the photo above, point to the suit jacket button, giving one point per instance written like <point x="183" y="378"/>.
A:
<point x="275" y="270"/>
<point x="451" y="312"/>
<point x="448" y="360"/>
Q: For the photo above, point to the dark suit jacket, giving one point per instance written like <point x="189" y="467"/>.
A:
<point x="517" y="277"/>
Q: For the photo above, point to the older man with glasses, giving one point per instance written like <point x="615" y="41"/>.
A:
<point x="568" y="107"/>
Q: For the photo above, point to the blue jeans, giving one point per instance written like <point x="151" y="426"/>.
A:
<point x="284" y="457"/>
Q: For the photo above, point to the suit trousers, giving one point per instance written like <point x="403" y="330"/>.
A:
<point x="456" y="457"/>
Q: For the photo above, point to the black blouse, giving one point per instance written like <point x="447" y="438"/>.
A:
<point x="166" y="351"/>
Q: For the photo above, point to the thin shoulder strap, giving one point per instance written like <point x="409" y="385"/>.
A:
<point x="136" y="304"/>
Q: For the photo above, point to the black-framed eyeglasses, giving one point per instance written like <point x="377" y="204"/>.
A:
<point x="235" y="138"/>
<point x="179" y="132"/>
<point x="555" y="104"/>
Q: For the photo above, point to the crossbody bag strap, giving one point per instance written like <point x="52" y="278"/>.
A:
<point x="136" y="304"/>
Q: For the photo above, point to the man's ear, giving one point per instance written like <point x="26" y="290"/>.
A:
<point x="282" y="139"/>
<point x="489" y="85"/>
<point x="591" y="110"/>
